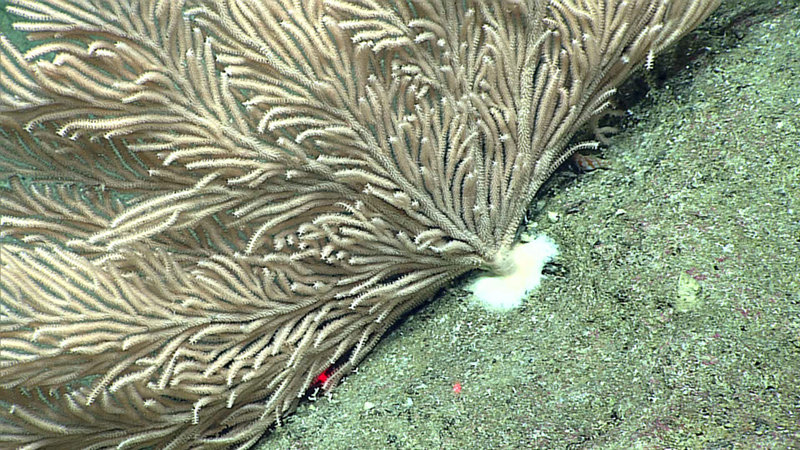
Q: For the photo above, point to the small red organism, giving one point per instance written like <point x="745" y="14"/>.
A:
<point x="588" y="163"/>
<point x="320" y="379"/>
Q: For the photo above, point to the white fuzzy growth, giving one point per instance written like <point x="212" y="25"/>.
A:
<point x="503" y="293"/>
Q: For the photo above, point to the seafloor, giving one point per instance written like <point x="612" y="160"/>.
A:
<point x="671" y="318"/>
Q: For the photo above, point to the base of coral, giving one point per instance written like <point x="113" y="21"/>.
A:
<point x="503" y="293"/>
